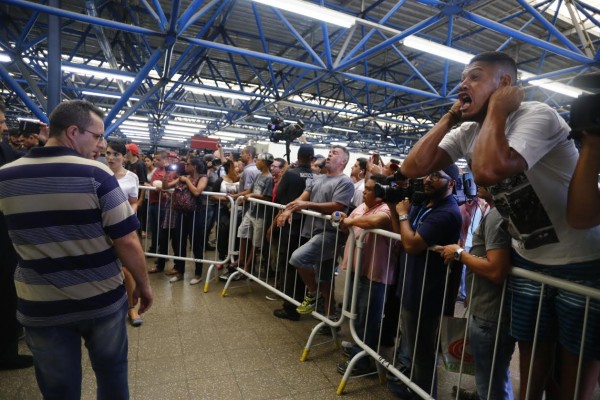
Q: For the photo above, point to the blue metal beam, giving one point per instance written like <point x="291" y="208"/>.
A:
<point x="495" y="26"/>
<point x="15" y="87"/>
<point x="189" y="18"/>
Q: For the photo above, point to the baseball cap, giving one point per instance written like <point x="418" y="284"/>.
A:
<point x="317" y="156"/>
<point x="452" y="171"/>
<point x="133" y="148"/>
<point x="268" y="157"/>
<point x="306" y="151"/>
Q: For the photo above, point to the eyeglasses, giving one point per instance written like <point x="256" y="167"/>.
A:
<point x="97" y="136"/>
<point x="436" y="176"/>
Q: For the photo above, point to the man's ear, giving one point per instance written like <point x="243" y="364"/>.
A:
<point x="71" y="131"/>
<point x="506" y="80"/>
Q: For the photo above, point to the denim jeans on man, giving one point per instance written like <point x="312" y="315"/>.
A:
<point x="370" y="302"/>
<point x="482" y="336"/>
<point x="57" y="357"/>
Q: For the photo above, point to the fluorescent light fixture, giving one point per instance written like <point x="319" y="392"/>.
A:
<point x="221" y="138"/>
<point x="177" y="133"/>
<point x="200" y="109"/>
<point x="191" y="118"/>
<point x="312" y="11"/>
<point x="269" y="118"/>
<point x="98" y="73"/>
<point x="133" y="123"/>
<point x="135" y="118"/>
<point x="5" y="58"/>
<point x="341" y="129"/>
<point x="437" y="49"/>
<point x="548" y="84"/>
<point x="181" y="129"/>
<point x="189" y="124"/>
<point x="179" y="139"/>
<point x="107" y="95"/>
<point x="231" y="134"/>
<point x="339" y="144"/>
<point x="218" y="93"/>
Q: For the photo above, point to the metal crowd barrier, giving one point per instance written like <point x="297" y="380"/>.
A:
<point x="167" y="224"/>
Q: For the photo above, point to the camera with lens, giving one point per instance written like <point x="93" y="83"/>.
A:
<point x="465" y="188"/>
<point x="216" y="162"/>
<point x="391" y="192"/>
<point x="281" y="130"/>
<point x="585" y="116"/>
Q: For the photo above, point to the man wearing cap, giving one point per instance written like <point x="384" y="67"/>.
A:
<point x="436" y="221"/>
<point x="287" y="238"/>
<point x="135" y="164"/>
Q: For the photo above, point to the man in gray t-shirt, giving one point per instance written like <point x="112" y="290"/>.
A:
<point x="327" y="194"/>
<point x="488" y="263"/>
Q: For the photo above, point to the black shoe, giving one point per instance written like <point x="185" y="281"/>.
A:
<point x="283" y="314"/>
<point x="401" y="391"/>
<point x="17" y="362"/>
<point x="357" y="370"/>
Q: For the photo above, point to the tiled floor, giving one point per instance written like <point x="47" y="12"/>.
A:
<point x="196" y="345"/>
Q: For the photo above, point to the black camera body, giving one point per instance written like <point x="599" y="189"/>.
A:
<point x="464" y="190"/>
<point x="178" y="167"/>
<point x="285" y="131"/>
<point x="585" y="116"/>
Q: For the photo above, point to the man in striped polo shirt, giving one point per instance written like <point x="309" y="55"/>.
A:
<point x="70" y="224"/>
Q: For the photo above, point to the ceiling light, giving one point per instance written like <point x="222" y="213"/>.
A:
<point x="344" y="144"/>
<point x="218" y="93"/>
<point x="181" y="128"/>
<point x="437" y="49"/>
<point x="551" y="85"/>
<point x="107" y="95"/>
<point x="98" y="73"/>
<point x="5" y="58"/>
<point x="312" y="11"/>
<point x="177" y="133"/>
<point x="133" y="123"/>
<point x="200" y="109"/>
<point x="231" y="134"/>
<point x="269" y="118"/>
<point x="178" y="139"/>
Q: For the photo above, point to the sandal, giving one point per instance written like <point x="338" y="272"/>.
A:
<point x="153" y="270"/>
<point x="171" y="272"/>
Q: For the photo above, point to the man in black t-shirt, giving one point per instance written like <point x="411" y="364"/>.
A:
<point x="290" y="187"/>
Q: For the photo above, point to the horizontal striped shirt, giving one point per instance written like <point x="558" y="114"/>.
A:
<point x="63" y="212"/>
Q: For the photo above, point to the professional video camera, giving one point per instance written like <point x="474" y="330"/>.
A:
<point x="464" y="190"/>
<point x="391" y="192"/>
<point x="285" y="131"/>
<point x="585" y="115"/>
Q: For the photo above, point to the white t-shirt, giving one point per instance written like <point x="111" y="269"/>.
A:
<point x="535" y="202"/>
<point x="359" y="189"/>
<point x="130" y="185"/>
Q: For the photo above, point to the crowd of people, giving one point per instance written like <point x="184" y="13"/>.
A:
<point x="70" y="219"/>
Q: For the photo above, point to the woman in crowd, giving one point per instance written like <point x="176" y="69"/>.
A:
<point x="129" y="183"/>
<point x="230" y="184"/>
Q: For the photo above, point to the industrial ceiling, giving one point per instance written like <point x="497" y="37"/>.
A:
<point x="221" y="68"/>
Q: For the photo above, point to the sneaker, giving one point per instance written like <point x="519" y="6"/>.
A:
<point x="225" y="276"/>
<point x="464" y="394"/>
<point x="326" y="330"/>
<point x="272" y="297"/>
<point x="347" y="348"/>
<point x="238" y="277"/>
<point x="308" y="305"/>
<point x="357" y="370"/>
<point x="176" y="278"/>
<point x="16" y="362"/>
<point x="195" y="281"/>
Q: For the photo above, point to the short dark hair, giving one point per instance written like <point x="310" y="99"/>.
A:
<point x="117" y="146"/>
<point x="362" y="163"/>
<point x="499" y="58"/>
<point x="379" y="178"/>
<point x="281" y="161"/>
<point x="227" y="165"/>
<point x="2" y="107"/>
<point x="251" y="150"/>
<point x="72" y="112"/>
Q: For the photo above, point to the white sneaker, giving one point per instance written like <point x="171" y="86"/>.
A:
<point x="176" y="278"/>
<point x="195" y="281"/>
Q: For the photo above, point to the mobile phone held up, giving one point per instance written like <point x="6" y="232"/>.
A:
<point x="376" y="158"/>
<point x="28" y="126"/>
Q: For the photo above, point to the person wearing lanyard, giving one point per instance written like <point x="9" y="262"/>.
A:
<point x="436" y="221"/>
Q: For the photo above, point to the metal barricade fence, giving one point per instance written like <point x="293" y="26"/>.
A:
<point x="169" y="232"/>
<point x="407" y="363"/>
<point x="272" y="269"/>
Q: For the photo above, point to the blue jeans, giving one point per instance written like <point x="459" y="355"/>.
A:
<point x="482" y="336"/>
<point x="57" y="356"/>
<point x="370" y="302"/>
<point x="155" y="212"/>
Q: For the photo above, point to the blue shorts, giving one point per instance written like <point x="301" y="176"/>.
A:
<point x="562" y="312"/>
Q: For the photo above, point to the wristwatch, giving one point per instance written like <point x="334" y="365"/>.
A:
<point x="457" y="254"/>
<point x="403" y="217"/>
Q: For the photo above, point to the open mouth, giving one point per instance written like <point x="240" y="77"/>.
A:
<point x="465" y="100"/>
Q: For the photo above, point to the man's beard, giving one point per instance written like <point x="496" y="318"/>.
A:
<point x="438" y="194"/>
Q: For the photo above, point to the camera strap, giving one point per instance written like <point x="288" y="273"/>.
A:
<point x="420" y="216"/>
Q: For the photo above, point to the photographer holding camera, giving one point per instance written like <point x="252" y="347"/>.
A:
<point x="421" y="225"/>
<point x="522" y="152"/>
